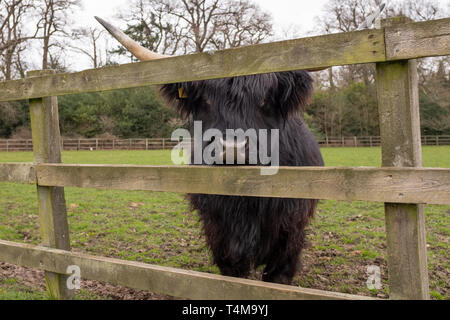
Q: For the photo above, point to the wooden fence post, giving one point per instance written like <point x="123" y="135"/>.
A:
<point x="52" y="205"/>
<point x="398" y="106"/>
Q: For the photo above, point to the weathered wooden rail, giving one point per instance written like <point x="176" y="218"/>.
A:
<point x="404" y="190"/>
<point x="403" y="42"/>
<point x="396" y="185"/>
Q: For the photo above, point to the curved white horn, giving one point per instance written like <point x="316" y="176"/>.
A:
<point x="144" y="54"/>
<point x="136" y="49"/>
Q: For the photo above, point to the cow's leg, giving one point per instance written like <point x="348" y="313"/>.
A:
<point x="233" y="268"/>
<point x="284" y="262"/>
<point x="232" y="261"/>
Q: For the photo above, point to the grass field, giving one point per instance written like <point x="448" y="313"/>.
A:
<point x="158" y="228"/>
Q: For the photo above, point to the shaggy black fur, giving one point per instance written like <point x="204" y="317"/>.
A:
<point x="245" y="232"/>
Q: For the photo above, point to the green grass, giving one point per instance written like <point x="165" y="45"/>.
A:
<point x="432" y="157"/>
<point x="344" y="237"/>
<point x="11" y="289"/>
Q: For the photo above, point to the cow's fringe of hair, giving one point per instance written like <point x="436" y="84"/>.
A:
<point x="283" y="92"/>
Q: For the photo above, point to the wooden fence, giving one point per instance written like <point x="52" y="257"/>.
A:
<point x="10" y="145"/>
<point x="375" y="141"/>
<point x="400" y="182"/>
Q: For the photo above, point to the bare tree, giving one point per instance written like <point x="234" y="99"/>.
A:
<point x="188" y="26"/>
<point x="348" y="15"/>
<point x="244" y="24"/>
<point x="151" y="24"/>
<point x="53" y="25"/>
<point x="344" y="104"/>
<point x="14" y="34"/>
<point x="89" y="45"/>
<point x="417" y="10"/>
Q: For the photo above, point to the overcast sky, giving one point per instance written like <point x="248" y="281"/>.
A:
<point x="284" y="12"/>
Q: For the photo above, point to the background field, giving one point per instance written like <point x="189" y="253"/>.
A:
<point x="344" y="238"/>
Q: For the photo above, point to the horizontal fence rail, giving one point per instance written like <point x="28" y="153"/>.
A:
<point x="17" y="172"/>
<point x="10" y="145"/>
<point x="162" y="280"/>
<point x="396" y="185"/>
<point x="410" y="41"/>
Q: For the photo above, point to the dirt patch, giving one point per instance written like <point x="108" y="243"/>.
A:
<point x="319" y="272"/>
<point x="35" y="279"/>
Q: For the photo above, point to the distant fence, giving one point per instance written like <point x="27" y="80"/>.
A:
<point x="94" y="144"/>
<point x="166" y="143"/>
<point x="375" y="141"/>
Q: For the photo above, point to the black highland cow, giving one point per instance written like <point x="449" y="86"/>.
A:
<point x="246" y="232"/>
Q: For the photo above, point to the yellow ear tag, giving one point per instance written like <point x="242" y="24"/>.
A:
<point x="182" y="94"/>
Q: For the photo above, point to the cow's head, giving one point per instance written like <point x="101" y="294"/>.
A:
<point x="264" y="101"/>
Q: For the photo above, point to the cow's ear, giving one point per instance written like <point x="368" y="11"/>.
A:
<point x="294" y="91"/>
<point x="185" y="96"/>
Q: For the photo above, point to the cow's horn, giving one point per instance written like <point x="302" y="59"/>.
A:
<point x="143" y="54"/>
<point x="136" y="49"/>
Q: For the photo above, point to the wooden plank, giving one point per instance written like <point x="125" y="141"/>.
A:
<point x="322" y="51"/>
<point x="416" y="40"/>
<point x="52" y="205"/>
<point x="162" y="280"/>
<point x="399" y="120"/>
<point x="17" y="173"/>
<point x="408" y="185"/>
<point x="398" y="104"/>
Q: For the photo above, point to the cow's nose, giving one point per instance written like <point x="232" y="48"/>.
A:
<point x="238" y="148"/>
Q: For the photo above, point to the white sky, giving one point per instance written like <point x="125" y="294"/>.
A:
<point x="284" y="12"/>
